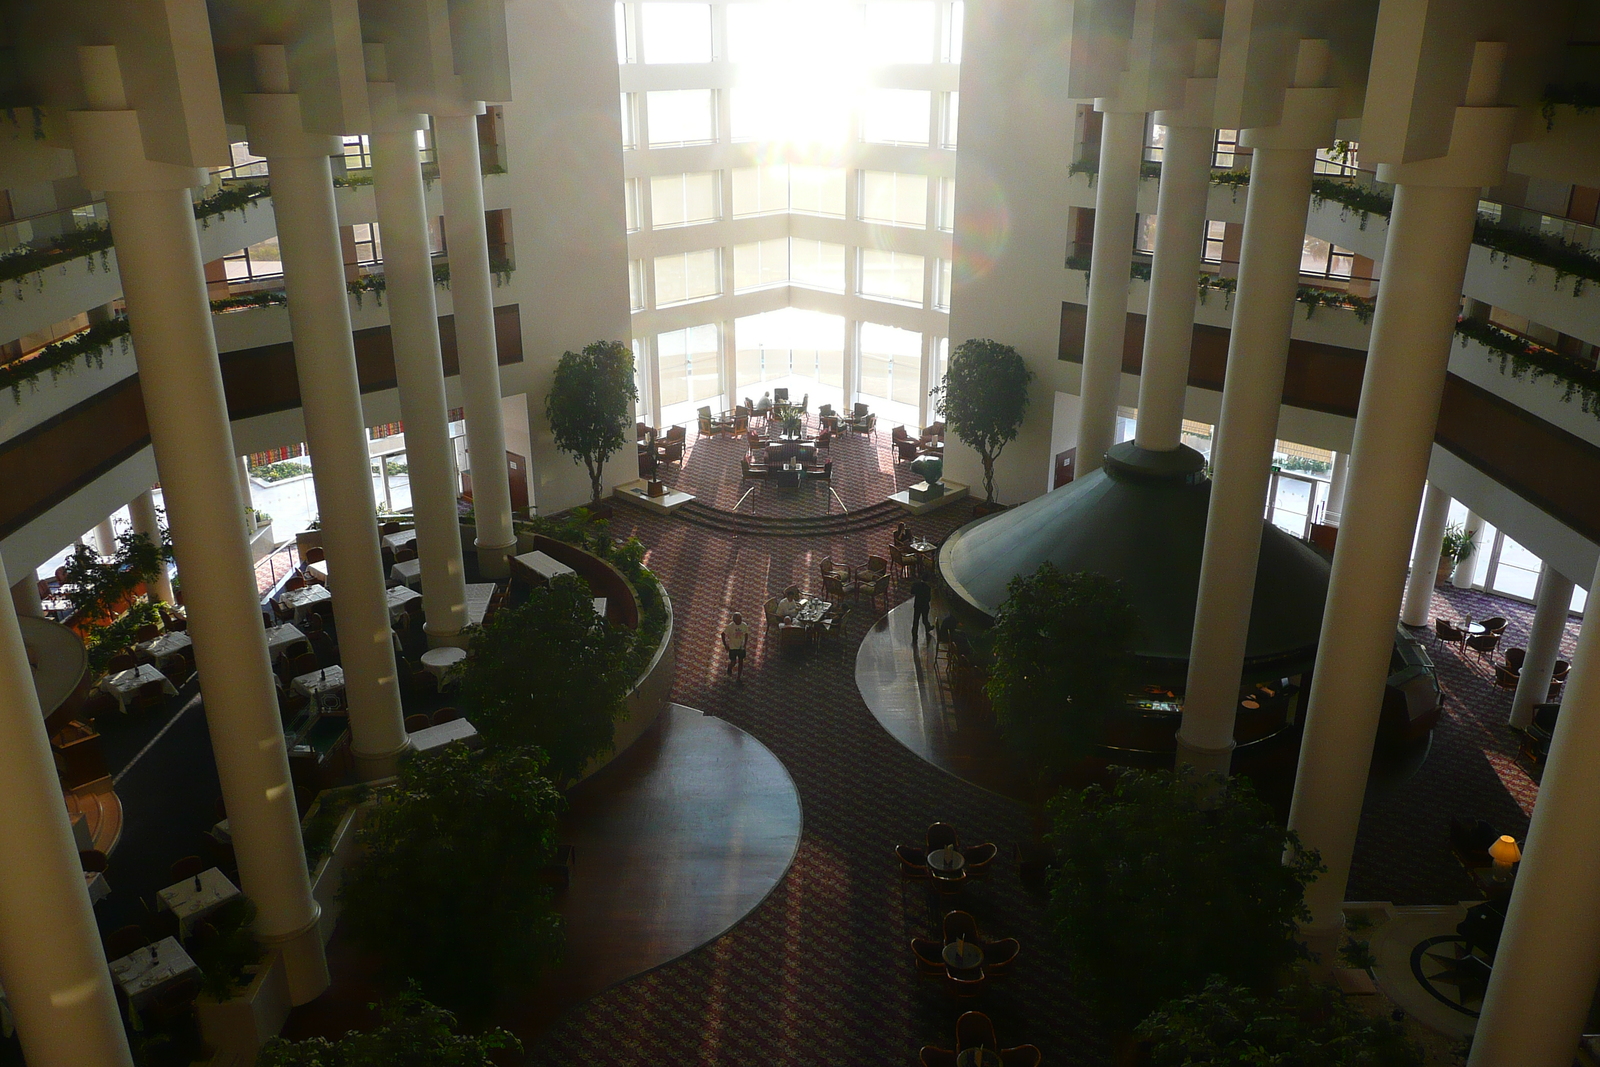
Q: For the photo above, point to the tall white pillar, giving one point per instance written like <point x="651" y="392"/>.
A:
<point x="414" y="330"/>
<point x="1424" y="262"/>
<point x="1428" y="547"/>
<point x="51" y="964"/>
<point x="105" y="537"/>
<point x="1106" y="323"/>
<point x="1241" y="459"/>
<point x="25" y="596"/>
<point x="471" y="289"/>
<point x="330" y="397"/>
<point x="142" y="509"/>
<point x="152" y="220"/>
<point x="1549" y="954"/>
<point x="1334" y="508"/>
<point x="1551" y="605"/>
<point x="1461" y="577"/>
<point x="1180" y="246"/>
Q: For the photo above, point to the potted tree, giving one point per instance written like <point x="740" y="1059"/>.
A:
<point x="982" y="400"/>
<point x="411" y="1030"/>
<point x="1456" y="549"/>
<point x="590" y="405"/>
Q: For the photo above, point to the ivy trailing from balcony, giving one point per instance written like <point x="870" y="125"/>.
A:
<point x="38" y="120"/>
<point x="230" y="198"/>
<point x="1521" y="356"/>
<point x="1313" y="297"/>
<point x="1568" y="260"/>
<point x="1581" y="97"/>
<point x="1361" y="200"/>
<point x="1148" y="169"/>
<point x="378" y="284"/>
<point x="89" y="345"/>
<point x="31" y="260"/>
<point x="259" y="299"/>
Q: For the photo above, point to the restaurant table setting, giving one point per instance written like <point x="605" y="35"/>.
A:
<point x="406" y="572"/>
<point x="444" y="734"/>
<point x="397" y="541"/>
<point x="439" y="661"/>
<point x="122" y="685"/>
<point x="281" y="637"/>
<point x="144" y="972"/>
<point x="478" y="596"/>
<point x="304" y="599"/>
<point x="544" y="565"/>
<point x="169" y="644"/>
<point x="194" y="898"/>
<point x="979" y="1057"/>
<point x="812" y="611"/>
<point x="316" y="683"/>
<point x="946" y="862"/>
<point x="398" y="597"/>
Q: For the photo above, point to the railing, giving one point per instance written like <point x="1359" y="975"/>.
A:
<point x="1528" y="220"/>
<point x="20" y="232"/>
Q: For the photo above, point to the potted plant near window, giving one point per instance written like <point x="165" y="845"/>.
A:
<point x="1457" y="548"/>
<point x="590" y="406"/>
<point x="982" y="400"/>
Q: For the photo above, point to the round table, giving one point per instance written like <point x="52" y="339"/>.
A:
<point x="1474" y="629"/>
<point x="963" y="955"/>
<point x="946" y="864"/>
<point x="438" y="661"/>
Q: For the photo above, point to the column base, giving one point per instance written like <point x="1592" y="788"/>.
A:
<point x="371" y="766"/>
<point x="494" y="561"/>
<point x="304" y="961"/>
<point x="1322" y="941"/>
<point x="1199" y="762"/>
<point x="441" y="639"/>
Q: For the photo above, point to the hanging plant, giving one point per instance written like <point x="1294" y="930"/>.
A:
<point x="1362" y="200"/>
<point x="1581" y="97"/>
<point x="88" y="344"/>
<point x="230" y="198"/>
<point x="1520" y="356"/>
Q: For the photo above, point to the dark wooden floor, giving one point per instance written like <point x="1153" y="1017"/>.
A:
<point x="910" y="697"/>
<point x="677" y="839"/>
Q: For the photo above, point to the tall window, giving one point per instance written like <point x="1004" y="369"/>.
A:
<point x="369" y="245"/>
<point x="817" y="190"/>
<point x="681" y="117"/>
<point x="676" y="33"/>
<point x="896" y="116"/>
<point x="899" y="31"/>
<point x="1216" y="235"/>
<point x="816" y="264"/>
<point x="1320" y="259"/>
<point x="630" y="203"/>
<point x="259" y="261"/>
<point x="891" y="369"/>
<point x="357" y="153"/>
<point x="893" y="276"/>
<point x="1144" y="234"/>
<point x="630" y="121"/>
<point x="955" y="21"/>
<point x="800" y="350"/>
<point x="943" y="285"/>
<point x="636" y="286"/>
<point x="893" y="198"/>
<point x="760" y="264"/>
<point x="947" y="204"/>
<point x="1225" y="149"/>
<point x="685" y="276"/>
<point x="688" y="365"/>
<point x="760" y="190"/>
<point x="683" y="199"/>
<point x="625" y="31"/>
<point x="949" y="120"/>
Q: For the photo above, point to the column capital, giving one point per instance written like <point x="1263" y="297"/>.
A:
<point x="465" y="109"/>
<point x="275" y="129"/>
<point x="1308" y="121"/>
<point x="110" y="150"/>
<point x="1199" y="106"/>
<point x="388" y="116"/>
<point x="1480" y="144"/>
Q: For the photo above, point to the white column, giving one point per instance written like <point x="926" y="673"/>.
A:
<point x="330" y="397"/>
<point x="247" y="500"/>
<point x="414" y="330"/>
<point x="1241" y="459"/>
<point x="1424" y="261"/>
<point x="51" y="964"/>
<point x="1549" y="955"/>
<point x="1551" y="605"/>
<point x="1334" y="509"/>
<point x="142" y="509"/>
<point x="152" y="219"/>
<point x="1169" y="322"/>
<point x="1106" y="322"/>
<point x="1461" y="577"/>
<point x="466" y="239"/>
<point x="1429" y="546"/>
<point x="25" y="596"/>
<point x="105" y="537"/>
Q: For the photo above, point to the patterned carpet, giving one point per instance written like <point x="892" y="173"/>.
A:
<point x="821" y="972"/>
<point x="1402" y="852"/>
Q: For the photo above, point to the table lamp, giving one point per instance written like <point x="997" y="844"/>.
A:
<point x="1505" y="853"/>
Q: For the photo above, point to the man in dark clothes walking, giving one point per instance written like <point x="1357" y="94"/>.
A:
<point x="921" y="601"/>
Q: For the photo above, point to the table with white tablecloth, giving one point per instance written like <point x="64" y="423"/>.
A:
<point x="398" y="597"/>
<point x="408" y="572"/>
<point x="478" y="596"/>
<point x="281" y="637"/>
<point x="122" y="685"/>
<point x="440" y="661"/>
<point x="316" y="683"/>
<point x="191" y="904"/>
<point x="144" y="973"/>
<point x="304" y="599"/>
<point x="397" y="541"/>
<point x="543" y="565"/>
<point x="318" y="570"/>
<point x="169" y="644"/>
<point x="445" y="733"/>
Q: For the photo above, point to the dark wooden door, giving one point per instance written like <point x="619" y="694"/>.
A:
<point x="517" y="475"/>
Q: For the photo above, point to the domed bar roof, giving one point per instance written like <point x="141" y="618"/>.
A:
<point x="1141" y="519"/>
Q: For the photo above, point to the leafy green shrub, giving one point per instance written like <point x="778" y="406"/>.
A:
<point x="1164" y="881"/>
<point x="222" y="959"/>
<point x="317" y="828"/>
<point x="1299" y="1024"/>
<point x="277" y="472"/>
<point x="983" y="398"/>
<point x="1061" y="655"/>
<point x="447" y="892"/>
<point x="550" y="673"/>
<point x="412" y="1033"/>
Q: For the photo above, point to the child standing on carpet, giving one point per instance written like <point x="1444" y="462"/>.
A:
<point x="734" y="637"/>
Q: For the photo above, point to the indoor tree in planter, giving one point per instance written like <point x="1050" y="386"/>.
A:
<point x="983" y="398"/>
<point x="1163" y="881"/>
<point x="447" y="891"/>
<point x="590" y="405"/>
<point x="411" y="1033"/>
<point x="1456" y="549"/>
<point x="550" y="672"/>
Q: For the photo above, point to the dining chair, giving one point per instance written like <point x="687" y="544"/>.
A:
<point x="967" y="984"/>
<point x="148" y="632"/>
<point x="1515" y="657"/>
<point x="960" y="925"/>
<point x="1021" y="1056"/>
<point x="444" y="715"/>
<point x="875" y="586"/>
<point x="979" y="857"/>
<point x="417" y="722"/>
<point x="941" y="834"/>
<point x="315" y="555"/>
<point x="405" y="554"/>
<point x="999" y="955"/>
<point x="1561" y="669"/>
<point x="1448" y="632"/>
<point x="122" y="661"/>
<point x="975" y="1029"/>
<point x="929" y="955"/>
<point x="933" y="1056"/>
<point x="293" y="582"/>
<point x="793" y="635"/>
<point x="1483" y="643"/>
<point x="771" y="609"/>
<point x="187" y="867"/>
<point x="1495" y="623"/>
<point x="122" y="941"/>
<point x="390" y="528"/>
<point x="913" y="862"/>
<point x="839" y="590"/>
<point x="304" y="664"/>
<point x="148" y="697"/>
<point x="1505" y="677"/>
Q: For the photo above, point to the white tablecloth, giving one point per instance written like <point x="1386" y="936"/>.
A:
<point x="319" y="570"/>
<point x="281" y="637"/>
<point x="478" y="596"/>
<point x="124" y="684"/>
<point x="439" y="661"/>
<point x="543" y="565"/>
<point x="443" y="734"/>
<point x="191" y="905"/>
<point x="142" y="974"/>
<point x="398" y="597"/>
<point x="406" y="573"/>
<point x="165" y="645"/>
<point x="316" y="683"/>
<point x="302" y="599"/>
<point x="399" y="540"/>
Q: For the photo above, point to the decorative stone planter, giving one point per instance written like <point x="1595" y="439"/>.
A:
<point x="237" y="1028"/>
<point x="306" y="540"/>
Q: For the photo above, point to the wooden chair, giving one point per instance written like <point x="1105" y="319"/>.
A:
<point x="312" y="623"/>
<point x="1561" y="669"/>
<point x="905" y="563"/>
<point x="444" y="715"/>
<point x="999" y="955"/>
<point x="187" y="867"/>
<point x="974" y="1029"/>
<point x="929" y="955"/>
<point x="405" y="554"/>
<point x="326" y="650"/>
<point x="941" y="834"/>
<point x="960" y="925"/>
<point x="315" y="555"/>
<point x="1484" y="643"/>
<point x="1495" y="624"/>
<point x="771" y="610"/>
<point x="304" y="664"/>
<point x="390" y="528"/>
<point x="417" y="722"/>
<point x="934" y="1056"/>
<point x="913" y="862"/>
<point x="906" y="451"/>
<point x="671" y="452"/>
<point x="148" y="697"/>
<point x="148" y="632"/>
<point x="873" y="587"/>
<point x="122" y="661"/>
<point x="1505" y="677"/>
<point x="1447" y="632"/>
<point x="1515" y="657"/>
<point x="1021" y="1056"/>
<point x="792" y="636"/>
<point x="979" y="857"/>
<point x="839" y="590"/>
<point x="295" y="581"/>
<point x="124" y="940"/>
<point x="96" y="704"/>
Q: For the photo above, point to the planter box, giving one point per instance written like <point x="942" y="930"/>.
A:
<point x="237" y="1028"/>
<point x="262" y="543"/>
<point x="306" y="540"/>
<point x="328" y="878"/>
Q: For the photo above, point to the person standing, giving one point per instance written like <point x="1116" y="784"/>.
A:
<point x="921" y="602"/>
<point x="735" y="636"/>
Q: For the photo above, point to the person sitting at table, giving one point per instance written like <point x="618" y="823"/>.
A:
<point x="764" y="404"/>
<point x="789" y="606"/>
<point x="902" y="535"/>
